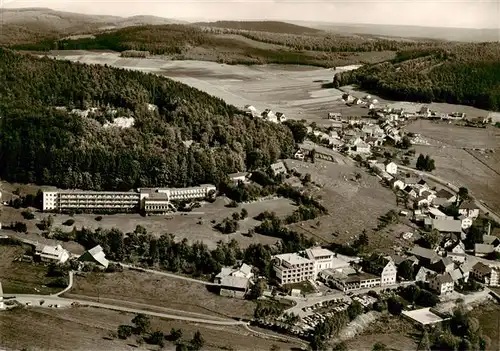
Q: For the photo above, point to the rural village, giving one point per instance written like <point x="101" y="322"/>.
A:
<point x="434" y="245"/>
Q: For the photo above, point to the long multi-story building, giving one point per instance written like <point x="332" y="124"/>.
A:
<point x="148" y="199"/>
<point x="293" y="268"/>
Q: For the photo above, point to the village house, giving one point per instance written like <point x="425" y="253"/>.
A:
<point x="424" y="274"/>
<point x="442" y="283"/>
<point x="95" y="255"/>
<point x="468" y="209"/>
<point x="426" y="257"/>
<point x="299" y="155"/>
<point x="492" y="240"/>
<point x="448" y="226"/>
<point x="486" y="274"/>
<point x="383" y="267"/>
<point x="466" y="221"/>
<point x="234" y="282"/>
<point x="47" y="253"/>
<point x="278" y="168"/>
<point x="362" y="148"/>
<point x="239" y="177"/>
<point x="348" y="279"/>
<point x="335" y="116"/>
<point x="397" y="184"/>
<point x="391" y="168"/>
<point x="280" y="116"/>
<point x="435" y="213"/>
<point x="483" y="250"/>
<point x="444" y="197"/>
<point x="443" y="265"/>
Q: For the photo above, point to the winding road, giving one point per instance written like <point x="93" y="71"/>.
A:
<point x="453" y="188"/>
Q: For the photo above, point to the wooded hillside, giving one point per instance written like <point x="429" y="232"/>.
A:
<point x="262" y="26"/>
<point x="465" y="74"/>
<point x="42" y="144"/>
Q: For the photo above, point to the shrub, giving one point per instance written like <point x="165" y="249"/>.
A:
<point x="98" y="218"/>
<point x="28" y="215"/>
<point x="69" y="222"/>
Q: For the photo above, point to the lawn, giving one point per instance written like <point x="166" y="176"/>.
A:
<point x="22" y="277"/>
<point x="146" y="288"/>
<point x="92" y="329"/>
<point x="353" y="205"/>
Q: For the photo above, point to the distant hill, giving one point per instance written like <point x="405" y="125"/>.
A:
<point x="440" y="33"/>
<point x="262" y="26"/>
<point x="31" y="24"/>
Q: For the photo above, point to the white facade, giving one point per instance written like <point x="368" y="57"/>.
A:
<point x="292" y="268"/>
<point x="92" y="200"/>
<point x="195" y="192"/>
<point x="389" y="274"/>
<point x="391" y="168"/>
<point x="322" y="258"/>
<point x="52" y="253"/>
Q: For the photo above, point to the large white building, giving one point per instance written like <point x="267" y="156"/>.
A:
<point x="150" y="200"/>
<point x="322" y="258"/>
<point x="292" y="268"/>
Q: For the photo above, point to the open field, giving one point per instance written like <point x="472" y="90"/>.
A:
<point x="461" y="168"/>
<point x="160" y="291"/>
<point x="352" y="205"/>
<point x="296" y="92"/>
<point x="22" y="277"/>
<point x="451" y="135"/>
<point x="489" y="319"/>
<point x="90" y="329"/>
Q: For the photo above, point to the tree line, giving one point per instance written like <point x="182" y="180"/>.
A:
<point x="42" y="144"/>
<point x="464" y="74"/>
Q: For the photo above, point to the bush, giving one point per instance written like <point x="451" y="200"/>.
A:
<point x="28" y="215"/>
<point x="69" y="222"/>
<point x="98" y="218"/>
<point x="125" y="331"/>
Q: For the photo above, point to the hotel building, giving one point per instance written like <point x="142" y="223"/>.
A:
<point x="293" y="268"/>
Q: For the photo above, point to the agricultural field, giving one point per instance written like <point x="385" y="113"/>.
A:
<point x="301" y="92"/>
<point x="23" y="277"/>
<point x="171" y="293"/>
<point x="353" y="205"/>
<point x="92" y="328"/>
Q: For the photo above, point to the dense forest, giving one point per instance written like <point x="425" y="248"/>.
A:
<point x="42" y="142"/>
<point x="465" y="74"/>
<point x="262" y="26"/>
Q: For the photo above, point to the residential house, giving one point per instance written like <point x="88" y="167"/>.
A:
<point x="391" y="168"/>
<point x="292" y="268"/>
<point x="442" y="283"/>
<point x="469" y="209"/>
<point x="280" y="116"/>
<point x="374" y="141"/>
<point x="412" y="193"/>
<point x="482" y="250"/>
<point x="448" y="226"/>
<point x="444" y="197"/>
<point x="299" y="155"/>
<point x="491" y="240"/>
<point x="466" y="221"/>
<point x="423" y="274"/>
<point x="234" y="282"/>
<point x="486" y="274"/>
<point x="362" y="148"/>
<point x="434" y="213"/>
<point x="278" y="168"/>
<point x="239" y="177"/>
<point x="269" y="115"/>
<point x="48" y="253"/>
<point x="95" y="255"/>
<point x="335" y="116"/>
<point x="383" y="267"/>
<point x="426" y="257"/>
<point x="460" y="274"/>
<point x="322" y="258"/>
<point x="397" y="184"/>
<point x="445" y="264"/>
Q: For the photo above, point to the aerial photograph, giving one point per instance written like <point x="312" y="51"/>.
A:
<point x="249" y="175"/>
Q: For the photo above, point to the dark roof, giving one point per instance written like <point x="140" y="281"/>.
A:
<point x="444" y="278"/>
<point x="422" y="182"/>
<point x="468" y="205"/>
<point x="482" y="268"/>
<point x="443" y="193"/>
<point x="420" y="251"/>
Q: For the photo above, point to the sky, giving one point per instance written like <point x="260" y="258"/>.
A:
<point x="431" y="13"/>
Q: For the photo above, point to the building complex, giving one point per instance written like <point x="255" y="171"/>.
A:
<point x="150" y="200"/>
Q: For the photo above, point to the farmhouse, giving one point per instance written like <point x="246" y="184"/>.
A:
<point x="234" y="282"/>
<point x="451" y="226"/>
<point x="48" y="253"/>
<point x="95" y="255"/>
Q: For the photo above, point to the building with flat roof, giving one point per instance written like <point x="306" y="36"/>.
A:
<point x="292" y="268"/>
<point x="151" y="200"/>
<point x="322" y="258"/>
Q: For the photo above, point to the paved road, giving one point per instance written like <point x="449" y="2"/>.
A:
<point x="453" y="188"/>
<point x="63" y="302"/>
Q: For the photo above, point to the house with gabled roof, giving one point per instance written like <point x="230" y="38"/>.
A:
<point x="442" y="283"/>
<point x="423" y="274"/>
<point x="95" y="255"/>
<point x="468" y="209"/>
<point x="48" y="253"/>
<point x="278" y="168"/>
<point x="486" y="274"/>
